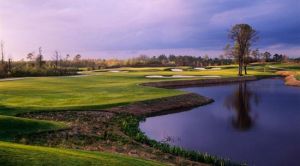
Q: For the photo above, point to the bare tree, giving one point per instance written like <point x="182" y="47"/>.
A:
<point x="39" y="58"/>
<point x="2" y="52"/>
<point x="255" y="54"/>
<point x="57" y="58"/>
<point x="9" y="65"/>
<point x="243" y="35"/>
<point x="247" y="59"/>
<point x="228" y="51"/>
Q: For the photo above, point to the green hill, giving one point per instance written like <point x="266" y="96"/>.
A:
<point x="16" y="154"/>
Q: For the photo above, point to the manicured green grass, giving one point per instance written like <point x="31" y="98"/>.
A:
<point x="11" y="127"/>
<point x="16" y="154"/>
<point x="287" y="66"/>
<point x="98" y="91"/>
<point x="63" y="93"/>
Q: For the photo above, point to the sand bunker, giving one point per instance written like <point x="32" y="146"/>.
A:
<point x="156" y="76"/>
<point x="211" y="76"/>
<point x="200" y="68"/>
<point x="114" y="71"/>
<point x="83" y="75"/>
<point x="177" y="70"/>
<point x="180" y="76"/>
<point x="11" y="79"/>
<point x="276" y="68"/>
<point x="215" y="68"/>
<point x="117" y="71"/>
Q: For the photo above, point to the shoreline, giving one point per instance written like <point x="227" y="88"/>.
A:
<point x="178" y="103"/>
<point x="198" y="82"/>
<point x="163" y="105"/>
<point x="289" y="78"/>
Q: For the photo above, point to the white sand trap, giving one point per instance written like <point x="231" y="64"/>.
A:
<point x="79" y="75"/>
<point x="210" y="76"/>
<point x="11" y="79"/>
<point x="215" y="68"/>
<point x="156" y="76"/>
<point x="114" y="71"/>
<point x="117" y="71"/>
<point x="177" y="70"/>
<point x="180" y="76"/>
<point x="277" y="68"/>
<point x="199" y="68"/>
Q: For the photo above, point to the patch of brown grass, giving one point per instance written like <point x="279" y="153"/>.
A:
<point x="290" y="78"/>
<point x="285" y="73"/>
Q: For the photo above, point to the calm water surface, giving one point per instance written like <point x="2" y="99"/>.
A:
<point x="255" y="122"/>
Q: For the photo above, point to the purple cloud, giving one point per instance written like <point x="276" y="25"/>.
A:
<point x="98" y="28"/>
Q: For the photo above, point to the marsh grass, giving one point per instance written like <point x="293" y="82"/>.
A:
<point x="130" y="126"/>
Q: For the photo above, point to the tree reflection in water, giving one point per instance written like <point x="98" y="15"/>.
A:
<point x="241" y="101"/>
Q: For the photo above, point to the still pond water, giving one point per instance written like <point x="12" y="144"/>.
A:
<point x="256" y="122"/>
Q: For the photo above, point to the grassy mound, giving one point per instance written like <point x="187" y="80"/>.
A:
<point x="16" y="154"/>
<point x="74" y="93"/>
<point x="11" y="127"/>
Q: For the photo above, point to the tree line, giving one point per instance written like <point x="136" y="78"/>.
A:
<point x="58" y="65"/>
<point x="238" y="52"/>
<point x="35" y="65"/>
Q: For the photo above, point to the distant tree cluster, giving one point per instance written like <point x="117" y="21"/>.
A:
<point x="180" y="60"/>
<point x="147" y="61"/>
<point x="34" y="66"/>
<point x="256" y="56"/>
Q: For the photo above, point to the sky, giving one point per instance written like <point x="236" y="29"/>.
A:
<point x="128" y="28"/>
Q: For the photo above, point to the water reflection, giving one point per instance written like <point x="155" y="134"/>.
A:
<point x="272" y="139"/>
<point x="241" y="101"/>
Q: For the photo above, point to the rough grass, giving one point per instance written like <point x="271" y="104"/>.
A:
<point x="16" y="154"/>
<point x="101" y="90"/>
<point x="11" y="127"/>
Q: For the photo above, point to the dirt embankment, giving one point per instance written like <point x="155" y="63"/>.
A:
<point x="174" y="103"/>
<point x="200" y="82"/>
<point x="163" y="105"/>
<point x="290" y="78"/>
<point x="95" y="131"/>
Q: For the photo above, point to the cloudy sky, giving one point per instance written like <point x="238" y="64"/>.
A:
<point x="124" y="28"/>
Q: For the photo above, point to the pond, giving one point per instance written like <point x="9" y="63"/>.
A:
<point x="256" y="122"/>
